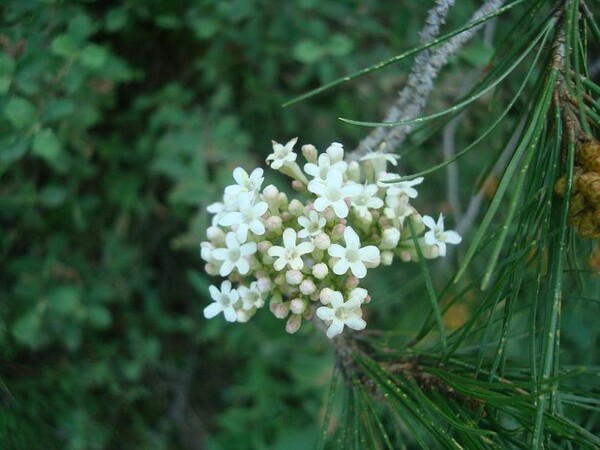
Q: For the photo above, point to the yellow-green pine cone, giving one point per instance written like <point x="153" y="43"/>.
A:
<point x="589" y="185"/>
<point x="588" y="151"/>
<point x="587" y="227"/>
<point x="577" y="205"/>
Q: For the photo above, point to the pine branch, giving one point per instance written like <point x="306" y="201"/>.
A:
<point x="428" y="63"/>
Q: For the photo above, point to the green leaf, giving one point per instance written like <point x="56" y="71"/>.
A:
<point x="46" y="145"/>
<point x="13" y="149"/>
<point x="64" y="45"/>
<point x="93" y="56"/>
<point x="99" y="316"/>
<point x="7" y="69"/>
<point x="340" y="45"/>
<point x="20" y="112"/>
<point x="116" y="19"/>
<point x="27" y="329"/>
<point x="308" y="51"/>
<point x="64" y="300"/>
<point x="53" y="195"/>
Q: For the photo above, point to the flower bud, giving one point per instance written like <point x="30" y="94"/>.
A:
<point x="282" y="200"/>
<point x="273" y="224"/>
<point x="322" y="241"/>
<point x="325" y="295"/>
<point x="263" y="284"/>
<point x="297" y="306"/>
<point x="310" y="153"/>
<point x="279" y="280"/>
<point x="307" y="287"/>
<point x="338" y="232"/>
<point x="298" y="186"/>
<point x="293" y="277"/>
<point x="293" y="323"/>
<point x="206" y="251"/>
<point x="212" y="269"/>
<point x="280" y="309"/>
<point x="387" y="257"/>
<point x="270" y="193"/>
<point x="320" y="271"/>
<point x="406" y="256"/>
<point x="390" y="238"/>
<point x="216" y="235"/>
<point x="296" y="208"/>
<point x="264" y="246"/>
<point x="243" y="315"/>
<point x="335" y="152"/>
<point x="352" y="282"/>
<point x="353" y="171"/>
<point x="373" y="263"/>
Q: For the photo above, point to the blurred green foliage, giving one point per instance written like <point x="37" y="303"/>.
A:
<point x="119" y="123"/>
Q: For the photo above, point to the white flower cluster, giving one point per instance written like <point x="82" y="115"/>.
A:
<point x="299" y="253"/>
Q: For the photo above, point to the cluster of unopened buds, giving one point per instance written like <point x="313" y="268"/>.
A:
<point x="307" y="255"/>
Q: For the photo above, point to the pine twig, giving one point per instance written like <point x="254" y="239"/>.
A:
<point x="414" y="95"/>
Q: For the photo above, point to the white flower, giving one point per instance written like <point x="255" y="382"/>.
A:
<point x="282" y="154"/>
<point x="234" y="255"/>
<point x="224" y="301"/>
<point x="247" y="218"/>
<point x="333" y="193"/>
<point x="366" y="200"/>
<point x="341" y="313"/>
<point x="290" y="254"/>
<point x="311" y="225"/>
<point x="353" y="257"/>
<point x="399" y="187"/>
<point x="397" y="207"/>
<point x="379" y="160"/>
<point x="245" y="183"/>
<point x="320" y="170"/>
<point x="218" y="209"/>
<point x="251" y="297"/>
<point x="437" y="236"/>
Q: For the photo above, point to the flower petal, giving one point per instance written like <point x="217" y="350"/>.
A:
<point x="358" y="269"/>
<point x="279" y="264"/>
<point x="340" y="208"/>
<point x="452" y="237"/>
<point x="351" y="238"/>
<point x="212" y="310"/>
<point x="369" y="253"/>
<point x="321" y="203"/>
<point x="243" y="266"/>
<point x="230" y="314"/>
<point x="289" y="238"/>
<point x="341" y="267"/>
<point x="336" y="327"/>
<point x="336" y="250"/>
<point x="325" y="313"/>
<point x="356" y="323"/>
<point x="304" y="248"/>
<point x="429" y="222"/>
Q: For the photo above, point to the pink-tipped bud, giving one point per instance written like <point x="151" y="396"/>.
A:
<point x="322" y="241"/>
<point x="307" y="287"/>
<point x="297" y="306"/>
<point x="263" y="284"/>
<point x="296" y="208"/>
<point x="264" y="246"/>
<point x="314" y="296"/>
<point x="293" y="324"/>
<point x="328" y="213"/>
<point x="325" y="295"/>
<point x="281" y="310"/>
<point x="405" y="256"/>
<point x="298" y="186"/>
<point x="320" y="271"/>
<point x="338" y="232"/>
<point x="293" y="277"/>
<point x="352" y="282"/>
<point x="310" y="153"/>
<point x="270" y="193"/>
<point x="273" y="224"/>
